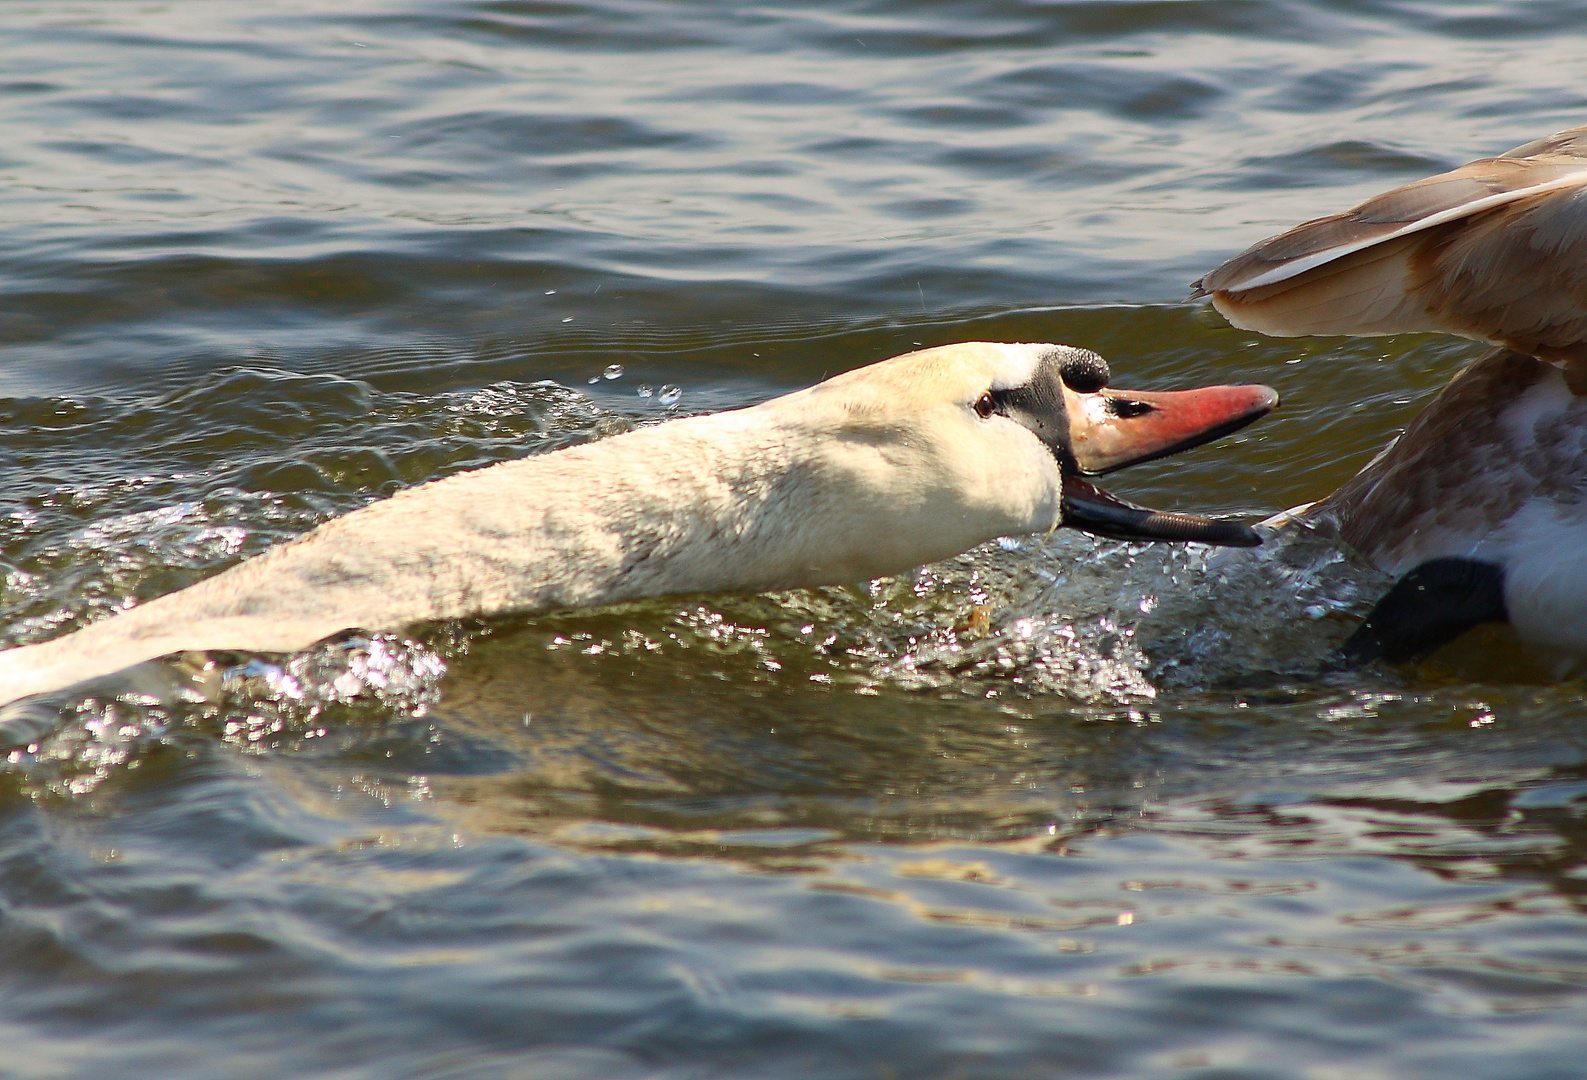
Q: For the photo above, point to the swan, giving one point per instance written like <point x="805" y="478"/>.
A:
<point x="1479" y="508"/>
<point x="872" y="472"/>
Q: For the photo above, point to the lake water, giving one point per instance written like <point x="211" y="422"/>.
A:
<point x="263" y="262"/>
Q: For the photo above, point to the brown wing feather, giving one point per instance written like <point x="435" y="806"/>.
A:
<point x="1477" y="251"/>
<point x="1516" y="276"/>
<point x="1360" y="293"/>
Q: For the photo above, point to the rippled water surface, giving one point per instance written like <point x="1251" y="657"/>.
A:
<point x="1054" y="808"/>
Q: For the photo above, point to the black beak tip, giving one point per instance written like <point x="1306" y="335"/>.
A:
<point x="1235" y="534"/>
<point x="1090" y="509"/>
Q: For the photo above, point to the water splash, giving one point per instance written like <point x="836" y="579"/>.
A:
<point x="1094" y="622"/>
<point x="1119" y="622"/>
<point x="392" y="672"/>
<point x="257" y="703"/>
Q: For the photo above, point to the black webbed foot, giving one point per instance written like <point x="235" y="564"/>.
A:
<point x="1430" y="606"/>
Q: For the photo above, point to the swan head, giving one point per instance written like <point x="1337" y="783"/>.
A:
<point x="986" y="439"/>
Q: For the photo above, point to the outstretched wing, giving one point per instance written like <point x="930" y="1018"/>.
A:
<point x="1495" y="250"/>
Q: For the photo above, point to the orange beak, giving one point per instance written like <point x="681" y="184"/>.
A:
<point x="1111" y="429"/>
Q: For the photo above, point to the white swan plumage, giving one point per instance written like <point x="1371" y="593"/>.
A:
<point x="872" y="472"/>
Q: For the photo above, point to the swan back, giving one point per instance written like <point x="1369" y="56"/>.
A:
<point x="1505" y="432"/>
<point x="1487" y="477"/>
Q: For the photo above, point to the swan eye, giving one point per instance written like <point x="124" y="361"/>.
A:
<point x="985" y="406"/>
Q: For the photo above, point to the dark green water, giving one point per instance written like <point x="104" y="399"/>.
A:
<point x="261" y="263"/>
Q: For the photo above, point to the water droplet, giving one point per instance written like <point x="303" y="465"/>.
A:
<point x="646" y="391"/>
<point x="613" y="371"/>
<point x="669" y="394"/>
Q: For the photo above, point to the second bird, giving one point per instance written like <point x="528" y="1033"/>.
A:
<point x="1480" y="507"/>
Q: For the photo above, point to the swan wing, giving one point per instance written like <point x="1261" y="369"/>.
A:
<point x="1496" y="250"/>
